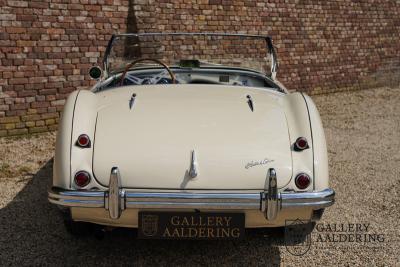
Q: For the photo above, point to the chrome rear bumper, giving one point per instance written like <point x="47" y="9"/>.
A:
<point x="116" y="199"/>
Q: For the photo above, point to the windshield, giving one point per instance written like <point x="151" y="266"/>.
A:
<point x="189" y="50"/>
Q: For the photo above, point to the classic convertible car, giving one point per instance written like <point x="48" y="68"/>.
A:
<point x="189" y="135"/>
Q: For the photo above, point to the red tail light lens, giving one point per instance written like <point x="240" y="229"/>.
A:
<point x="301" y="144"/>
<point x="302" y="181"/>
<point x="82" y="178"/>
<point x="83" y="140"/>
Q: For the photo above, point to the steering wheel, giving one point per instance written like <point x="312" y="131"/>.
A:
<point x="133" y="63"/>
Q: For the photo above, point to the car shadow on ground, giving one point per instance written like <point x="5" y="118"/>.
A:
<point x="32" y="233"/>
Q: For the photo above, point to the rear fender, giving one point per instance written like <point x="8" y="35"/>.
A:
<point x="298" y="126"/>
<point x="84" y="122"/>
<point x="61" y="165"/>
<point x="321" y="171"/>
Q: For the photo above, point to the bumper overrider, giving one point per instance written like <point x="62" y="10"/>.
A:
<point x="117" y="199"/>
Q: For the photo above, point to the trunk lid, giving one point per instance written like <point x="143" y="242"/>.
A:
<point x="151" y="141"/>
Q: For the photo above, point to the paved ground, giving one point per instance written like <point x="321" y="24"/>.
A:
<point x="363" y="134"/>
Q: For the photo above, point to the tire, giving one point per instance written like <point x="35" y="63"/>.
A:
<point x="77" y="229"/>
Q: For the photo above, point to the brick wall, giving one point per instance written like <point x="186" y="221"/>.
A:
<point x="46" y="47"/>
<point x="323" y="46"/>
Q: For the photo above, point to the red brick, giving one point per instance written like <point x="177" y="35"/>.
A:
<point x="18" y="131"/>
<point x="22" y="106"/>
<point x="14" y="3"/>
<point x="55" y="31"/>
<point x="30" y="117"/>
<point x="38" y="4"/>
<point x="4" y="107"/>
<point x="5" y="120"/>
<point x="38" y="129"/>
<point x="26" y="17"/>
<point x="38" y="80"/>
<point x="39" y="104"/>
<point x="18" y="81"/>
<point x="16" y="30"/>
<point x="75" y="6"/>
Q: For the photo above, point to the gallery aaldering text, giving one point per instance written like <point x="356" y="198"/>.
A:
<point x="199" y="228"/>
<point x="346" y="232"/>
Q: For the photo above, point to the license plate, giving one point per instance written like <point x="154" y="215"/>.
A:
<point x="190" y="225"/>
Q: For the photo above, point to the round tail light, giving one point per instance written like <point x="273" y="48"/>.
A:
<point x="301" y="144"/>
<point x="302" y="181"/>
<point x="82" y="178"/>
<point x="83" y="140"/>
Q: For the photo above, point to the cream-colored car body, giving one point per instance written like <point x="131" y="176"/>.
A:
<point x="196" y="136"/>
<point x="151" y="142"/>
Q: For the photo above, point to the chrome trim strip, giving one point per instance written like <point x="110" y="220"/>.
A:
<point x="187" y="196"/>
<point x="327" y="194"/>
<point x="59" y="193"/>
<point x="90" y="199"/>
<point x="193" y="200"/>
<point x="193" y="205"/>
<point x="78" y="203"/>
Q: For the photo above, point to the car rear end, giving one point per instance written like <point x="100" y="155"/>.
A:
<point x="191" y="156"/>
